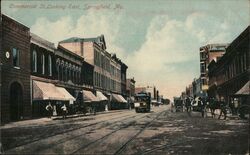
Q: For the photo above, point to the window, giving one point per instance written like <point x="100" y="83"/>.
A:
<point x="66" y="71"/>
<point x="203" y="68"/>
<point x="50" y="66"/>
<point x="43" y="64"/>
<point x="69" y="72"/>
<point x="16" y="57"/>
<point x="34" y="60"/>
<point x="245" y="61"/>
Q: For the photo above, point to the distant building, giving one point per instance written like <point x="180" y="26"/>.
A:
<point x="207" y="54"/>
<point x="130" y="87"/>
<point x="197" y="88"/>
<point x="189" y="90"/>
<point x="140" y="89"/>
<point x="151" y="90"/>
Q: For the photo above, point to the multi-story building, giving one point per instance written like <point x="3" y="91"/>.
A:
<point x="130" y="90"/>
<point x="56" y="75"/>
<point x="229" y="76"/>
<point x="189" y="90"/>
<point x="130" y="87"/>
<point x="115" y="72"/>
<point x="15" y="70"/>
<point x="207" y="54"/>
<point x="107" y="77"/>
<point x="124" y="68"/>
<point x="196" y="84"/>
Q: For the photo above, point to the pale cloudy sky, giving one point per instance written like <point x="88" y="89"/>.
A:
<point x="159" y="40"/>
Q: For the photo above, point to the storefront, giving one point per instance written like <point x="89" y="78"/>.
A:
<point x="47" y="93"/>
<point x="118" y="102"/>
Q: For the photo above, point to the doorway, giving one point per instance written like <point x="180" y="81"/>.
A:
<point x="16" y="101"/>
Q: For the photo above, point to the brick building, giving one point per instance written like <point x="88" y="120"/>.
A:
<point x="124" y="68"/>
<point x="229" y="76"/>
<point x="207" y="54"/>
<point x="107" y="78"/>
<point x="130" y="87"/>
<point x="56" y="76"/>
<point x="15" y="70"/>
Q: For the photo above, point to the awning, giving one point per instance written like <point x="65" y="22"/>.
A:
<point x="122" y="99"/>
<point x="46" y="91"/>
<point x="100" y="96"/>
<point x="245" y="90"/>
<point x="66" y="94"/>
<point x="116" y="98"/>
<point x="88" y="96"/>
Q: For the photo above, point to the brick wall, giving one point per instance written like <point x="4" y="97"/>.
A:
<point x="15" y="35"/>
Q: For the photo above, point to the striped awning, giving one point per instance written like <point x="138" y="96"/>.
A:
<point x="100" y="96"/>
<point x="46" y="91"/>
<point x="118" y="98"/>
<point x="122" y="99"/>
<point x="66" y="94"/>
<point x="88" y="96"/>
<point x="245" y="90"/>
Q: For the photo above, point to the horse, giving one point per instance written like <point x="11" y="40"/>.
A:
<point x="188" y="105"/>
<point x="221" y="105"/>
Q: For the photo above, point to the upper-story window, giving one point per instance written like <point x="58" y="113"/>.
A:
<point x="16" y="57"/>
<point x="43" y="64"/>
<point x="50" y="65"/>
<point x="34" y="59"/>
<point x="66" y="71"/>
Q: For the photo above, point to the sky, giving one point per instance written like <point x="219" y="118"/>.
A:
<point x="159" y="40"/>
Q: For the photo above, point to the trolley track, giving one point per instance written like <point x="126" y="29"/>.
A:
<point x="119" y="129"/>
<point x="123" y="147"/>
<point x="107" y="135"/>
<point x="63" y="140"/>
<point x="69" y="130"/>
<point x="162" y="147"/>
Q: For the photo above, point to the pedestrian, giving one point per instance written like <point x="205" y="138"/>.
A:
<point x="64" y="109"/>
<point x="49" y="109"/>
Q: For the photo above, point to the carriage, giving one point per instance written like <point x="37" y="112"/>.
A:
<point x="197" y="105"/>
<point x="178" y="104"/>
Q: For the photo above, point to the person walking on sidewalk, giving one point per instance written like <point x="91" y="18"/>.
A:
<point x="64" y="109"/>
<point x="49" y="109"/>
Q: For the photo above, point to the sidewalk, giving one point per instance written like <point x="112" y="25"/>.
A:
<point x="46" y="120"/>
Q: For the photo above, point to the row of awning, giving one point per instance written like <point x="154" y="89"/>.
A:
<point x="48" y="91"/>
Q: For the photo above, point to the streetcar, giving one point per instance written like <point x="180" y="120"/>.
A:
<point x="142" y="102"/>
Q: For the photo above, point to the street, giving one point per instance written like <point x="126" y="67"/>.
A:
<point x="126" y="132"/>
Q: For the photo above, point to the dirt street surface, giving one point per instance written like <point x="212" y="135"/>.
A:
<point x="126" y="132"/>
